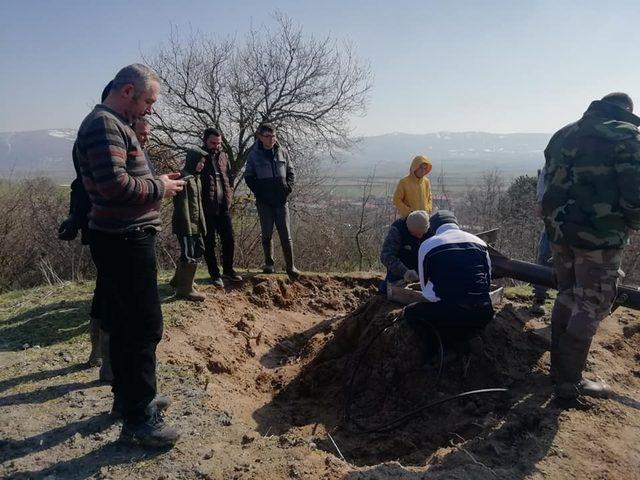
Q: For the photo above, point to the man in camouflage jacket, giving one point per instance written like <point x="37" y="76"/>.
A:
<point x="591" y="201"/>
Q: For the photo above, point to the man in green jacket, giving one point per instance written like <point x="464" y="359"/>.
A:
<point x="189" y="226"/>
<point x="591" y="201"/>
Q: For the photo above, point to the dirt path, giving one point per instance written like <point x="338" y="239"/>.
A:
<point x="256" y="375"/>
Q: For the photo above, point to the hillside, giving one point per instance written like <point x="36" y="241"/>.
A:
<point x="455" y="153"/>
<point x="459" y="154"/>
<point x="257" y="377"/>
<point x="38" y="152"/>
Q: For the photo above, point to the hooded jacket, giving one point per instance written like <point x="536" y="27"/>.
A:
<point x="592" y="195"/>
<point x="413" y="193"/>
<point x="188" y="214"/>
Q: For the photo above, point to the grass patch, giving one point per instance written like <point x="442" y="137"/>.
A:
<point x="524" y="292"/>
<point x="54" y="314"/>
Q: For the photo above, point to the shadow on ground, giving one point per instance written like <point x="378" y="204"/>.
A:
<point x="45" y="325"/>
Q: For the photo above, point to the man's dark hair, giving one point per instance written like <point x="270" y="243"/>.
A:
<point x="105" y="92"/>
<point x="266" y="127"/>
<point x="210" y="131"/>
<point x="620" y="99"/>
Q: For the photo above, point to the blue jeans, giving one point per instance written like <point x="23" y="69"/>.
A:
<point x="545" y="258"/>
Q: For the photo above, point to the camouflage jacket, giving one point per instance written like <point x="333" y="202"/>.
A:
<point x="592" y="179"/>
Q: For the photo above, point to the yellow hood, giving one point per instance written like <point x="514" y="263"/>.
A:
<point x="419" y="160"/>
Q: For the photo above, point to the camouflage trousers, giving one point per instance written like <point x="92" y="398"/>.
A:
<point x="587" y="283"/>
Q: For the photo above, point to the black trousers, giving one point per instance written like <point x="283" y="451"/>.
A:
<point x="131" y="313"/>
<point x="220" y="224"/>
<point x="455" y="323"/>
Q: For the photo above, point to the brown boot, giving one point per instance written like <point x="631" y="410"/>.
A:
<point x="186" y="289"/>
<point x="94" y="333"/>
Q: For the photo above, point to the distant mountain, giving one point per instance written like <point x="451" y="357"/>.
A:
<point x="460" y="154"/>
<point x="38" y="152"/>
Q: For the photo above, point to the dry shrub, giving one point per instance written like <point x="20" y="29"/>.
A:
<point x="30" y="252"/>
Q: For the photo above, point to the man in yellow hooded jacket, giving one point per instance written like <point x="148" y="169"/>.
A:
<point x="414" y="191"/>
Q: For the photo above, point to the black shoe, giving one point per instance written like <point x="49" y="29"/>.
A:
<point x="232" y="276"/>
<point x="267" y="268"/>
<point x="159" y="403"/>
<point x="217" y="282"/>
<point x="151" y="433"/>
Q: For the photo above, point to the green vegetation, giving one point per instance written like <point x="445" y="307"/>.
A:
<point x="49" y="315"/>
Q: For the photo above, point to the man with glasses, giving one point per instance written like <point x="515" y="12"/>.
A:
<point x="269" y="175"/>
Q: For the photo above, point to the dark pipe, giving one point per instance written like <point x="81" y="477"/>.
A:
<point x="501" y="266"/>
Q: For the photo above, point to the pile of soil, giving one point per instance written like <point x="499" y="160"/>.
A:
<point x="258" y="374"/>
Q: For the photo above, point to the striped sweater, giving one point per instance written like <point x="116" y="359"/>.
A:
<point x="124" y="194"/>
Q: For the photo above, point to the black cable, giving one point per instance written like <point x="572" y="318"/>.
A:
<point x="402" y="419"/>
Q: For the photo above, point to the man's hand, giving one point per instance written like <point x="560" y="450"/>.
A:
<point x="411" y="276"/>
<point x="68" y="229"/>
<point x="171" y="184"/>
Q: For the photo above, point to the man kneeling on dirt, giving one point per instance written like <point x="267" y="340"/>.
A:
<point x="455" y="277"/>
<point x="400" y="249"/>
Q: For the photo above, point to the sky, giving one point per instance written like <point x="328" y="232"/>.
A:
<point x="493" y="66"/>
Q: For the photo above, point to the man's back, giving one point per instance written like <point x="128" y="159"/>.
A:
<point x="454" y="267"/>
<point x="592" y="194"/>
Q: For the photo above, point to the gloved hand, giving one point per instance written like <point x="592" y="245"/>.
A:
<point x="68" y="229"/>
<point x="411" y="276"/>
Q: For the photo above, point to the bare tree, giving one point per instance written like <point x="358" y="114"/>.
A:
<point x="364" y="223"/>
<point x="309" y="88"/>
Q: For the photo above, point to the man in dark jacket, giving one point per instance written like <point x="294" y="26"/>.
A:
<point x="217" y="197"/>
<point x="591" y="202"/>
<point x="455" y="276"/>
<point x="269" y="175"/>
<point x="399" y="252"/>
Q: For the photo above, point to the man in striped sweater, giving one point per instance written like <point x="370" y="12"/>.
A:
<point x="123" y="222"/>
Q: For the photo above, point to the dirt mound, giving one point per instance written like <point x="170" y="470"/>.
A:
<point x="391" y="377"/>
<point x="258" y="376"/>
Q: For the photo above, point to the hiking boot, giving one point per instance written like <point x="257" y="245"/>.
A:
<point x="217" y="282"/>
<point x="186" y="289"/>
<point x="151" y="433"/>
<point x="159" y="403"/>
<point x="232" y="276"/>
<point x="537" y="308"/>
<point x="268" y="269"/>
<point x="593" y="389"/>
<point x="95" y="357"/>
